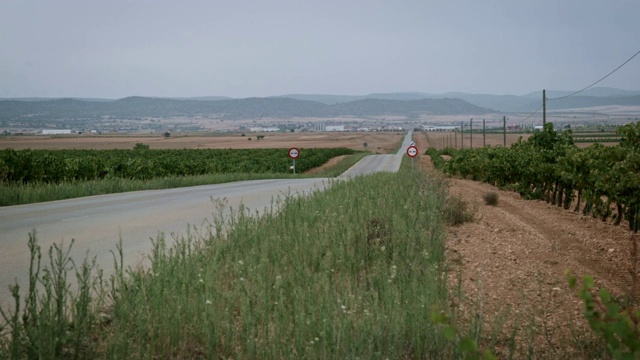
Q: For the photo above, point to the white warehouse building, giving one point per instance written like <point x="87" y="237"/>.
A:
<point x="56" y="131"/>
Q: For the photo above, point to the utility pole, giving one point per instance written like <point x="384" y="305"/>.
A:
<point x="462" y="135"/>
<point x="504" y="130"/>
<point x="455" y="138"/>
<point x="484" y="133"/>
<point x="544" y="108"/>
<point x="471" y="133"/>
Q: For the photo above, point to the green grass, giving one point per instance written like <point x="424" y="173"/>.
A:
<point x="353" y="271"/>
<point x="16" y="194"/>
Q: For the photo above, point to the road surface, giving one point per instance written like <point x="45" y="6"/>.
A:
<point x="97" y="222"/>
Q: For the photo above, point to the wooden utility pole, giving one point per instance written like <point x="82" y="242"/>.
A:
<point x="544" y="108"/>
<point x="471" y="133"/>
<point x="455" y="138"/>
<point x="504" y="131"/>
<point x="484" y="133"/>
<point x="462" y="135"/>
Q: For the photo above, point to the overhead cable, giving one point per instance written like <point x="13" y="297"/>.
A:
<point x="604" y="77"/>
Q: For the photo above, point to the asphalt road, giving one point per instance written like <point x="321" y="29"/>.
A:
<point x="98" y="222"/>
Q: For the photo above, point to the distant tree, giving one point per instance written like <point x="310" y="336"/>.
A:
<point x="167" y="134"/>
<point x="260" y="137"/>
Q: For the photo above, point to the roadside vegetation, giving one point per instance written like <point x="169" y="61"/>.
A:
<point x="598" y="181"/>
<point x="28" y="179"/>
<point x="356" y="271"/>
<point x="353" y="271"/>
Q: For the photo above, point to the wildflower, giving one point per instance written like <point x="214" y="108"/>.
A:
<point x="208" y="302"/>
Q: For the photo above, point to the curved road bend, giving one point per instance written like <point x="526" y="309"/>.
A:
<point x="97" y="222"/>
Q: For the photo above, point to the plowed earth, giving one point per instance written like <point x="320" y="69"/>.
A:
<point x="509" y="264"/>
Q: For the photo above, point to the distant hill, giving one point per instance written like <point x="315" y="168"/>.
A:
<point x="310" y="105"/>
<point x="250" y="108"/>
<point x="596" y="96"/>
<point x="377" y="107"/>
<point x="337" y="99"/>
<point x="592" y="92"/>
<point x="578" y="102"/>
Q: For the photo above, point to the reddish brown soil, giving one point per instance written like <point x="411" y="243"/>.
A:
<point x="328" y="164"/>
<point x="514" y="255"/>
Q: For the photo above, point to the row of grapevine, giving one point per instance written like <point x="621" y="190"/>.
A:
<point x="549" y="166"/>
<point x="55" y="166"/>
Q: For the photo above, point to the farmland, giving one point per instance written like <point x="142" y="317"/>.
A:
<point x="43" y="168"/>
<point x="511" y="259"/>
<point x="510" y="264"/>
<point x="549" y="166"/>
<point x="58" y="166"/>
<point x="377" y="142"/>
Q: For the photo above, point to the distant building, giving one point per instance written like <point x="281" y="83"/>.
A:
<point x="334" y="128"/>
<point x="441" y="128"/>
<point x="263" y="129"/>
<point x="56" y="131"/>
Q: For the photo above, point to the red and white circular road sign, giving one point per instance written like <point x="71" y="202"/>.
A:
<point x="412" y="151"/>
<point x="294" y="153"/>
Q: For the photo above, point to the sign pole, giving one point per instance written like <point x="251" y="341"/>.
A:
<point x="412" y="152"/>
<point x="293" y="154"/>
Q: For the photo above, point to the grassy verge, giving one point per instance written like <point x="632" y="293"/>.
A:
<point x="17" y="194"/>
<point x="354" y="271"/>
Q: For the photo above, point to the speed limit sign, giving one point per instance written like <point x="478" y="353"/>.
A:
<point x="294" y="153"/>
<point x="412" y="151"/>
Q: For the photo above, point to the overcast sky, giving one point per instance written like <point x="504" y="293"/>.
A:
<point x="236" y="48"/>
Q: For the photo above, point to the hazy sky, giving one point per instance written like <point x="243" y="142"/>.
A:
<point x="237" y="48"/>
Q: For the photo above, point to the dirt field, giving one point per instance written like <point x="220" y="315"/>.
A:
<point x="513" y="256"/>
<point x="382" y="142"/>
<point x="441" y="140"/>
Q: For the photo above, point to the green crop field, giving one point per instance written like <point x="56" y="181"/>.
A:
<point x="29" y="176"/>
<point x="549" y="166"/>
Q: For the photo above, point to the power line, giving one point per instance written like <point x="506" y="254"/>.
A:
<point x="533" y="113"/>
<point x="604" y="77"/>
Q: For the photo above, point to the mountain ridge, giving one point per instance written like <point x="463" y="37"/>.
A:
<point x="596" y="96"/>
<point x="232" y="109"/>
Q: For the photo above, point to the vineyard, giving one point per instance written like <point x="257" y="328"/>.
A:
<point x="58" y="166"/>
<point x="598" y="180"/>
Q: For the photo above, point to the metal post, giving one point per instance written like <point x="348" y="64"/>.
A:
<point x="294" y="166"/>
